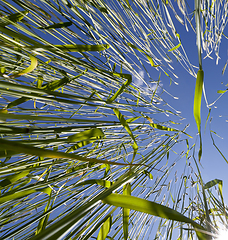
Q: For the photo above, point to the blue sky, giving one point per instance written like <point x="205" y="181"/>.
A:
<point x="213" y="165"/>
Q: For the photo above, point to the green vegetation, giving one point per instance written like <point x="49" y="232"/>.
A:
<point x="83" y="154"/>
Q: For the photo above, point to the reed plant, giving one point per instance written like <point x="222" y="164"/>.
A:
<point x="86" y="151"/>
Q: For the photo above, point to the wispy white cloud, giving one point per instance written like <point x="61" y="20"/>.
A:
<point x="139" y="81"/>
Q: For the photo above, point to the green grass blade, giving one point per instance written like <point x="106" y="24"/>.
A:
<point x="71" y="48"/>
<point x="105" y="228"/>
<point x="121" y="89"/>
<point x="101" y="182"/>
<point x="57" y="25"/>
<point x="43" y="221"/>
<point x="12" y="195"/>
<point x="174" y="48"/>
<point x="209" y="112"/>
<point x="52" y="86"/>
<point x="93" y="133"/>
<point x="148" y="56"/>
<point x="222" y="91"/>
<point x="212" y="183"/>
<point x="197" y="99"/>
<point x="160" y="127"/>
<point x="13" y="178"/>
<point x="27" y="70"/>
<point x="15" y="17"/>
<point x="177" y="46"/>
<point x="85" y="138"/>
<point x="213" y="141"/>
<point x="197" y="105"/>
<point x="127" y="128"/>
<point x="126" y="211"/>
<point x="27" y="149"/>
<point x="152" y="208"/>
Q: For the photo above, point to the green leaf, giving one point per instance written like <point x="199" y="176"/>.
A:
<point x="224" y="68"/>
<point x="222" y="91"/>
<point x="86" y="137"/>
<point x="130" y="120"/>
<point x="57" y="25"/>
<point x="127" y="128"/>
<point x="197" y="98"/>
<point x="148" y="56"/>
<point x="174" y="48"/>
<point x="12" y="195"/>
<point x="101" y="182"/>
<point x="105" y="228"/>
<point x="70" y="47"/>
<point x="27" y="149"/>
<point x="121" y="89"/>
<point x="152" y="208"/>
<point x="15" y="17"/>
<point x="160" y="127"/>
<point x="27" y="70"/>
<point x="13" y="178"/>
<point x="212" y="183"/>
<point x="126" y="211"/>
<point x="148" y="174"/>
<point x="79" y="145"/>
<point x="178" y="45"/>
<point x="93" y="133"/>
<point x="44" y="221"/>
<point x="197" y="105"/>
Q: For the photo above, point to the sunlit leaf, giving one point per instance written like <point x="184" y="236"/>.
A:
<point x="197" y="105"/>
<point x="197" y="98"/>
<point x="147" y="55"/>
<point x="152" y="208"/>
<point x="126" y="126"/>
<point x="85" y="135"/>
<point x="160" y="127"/>
<point x="103" y="183"/>
<point x="221" y="91"/>
<point x="13" y="178"/>
<point x="27" y="70"/>
<point x="105" y="228"/>
<point x="126" y="211"/>
<point x="177" y="46"/>
<point x="12" y="195"/>
<point x="121" y="89"/>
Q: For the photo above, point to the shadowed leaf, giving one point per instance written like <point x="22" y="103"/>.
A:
<point x="15" y="17"/>
<point x="57" y="25"/>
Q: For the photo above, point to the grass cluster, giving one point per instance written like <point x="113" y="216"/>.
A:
<point x="83" y="151"/>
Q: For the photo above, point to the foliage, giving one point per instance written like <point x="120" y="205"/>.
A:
<point x="77" y="129"/>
